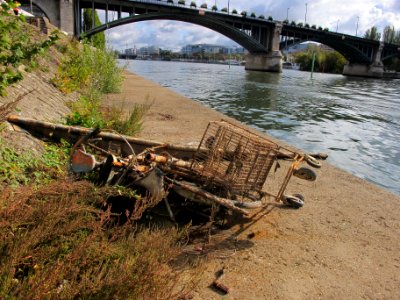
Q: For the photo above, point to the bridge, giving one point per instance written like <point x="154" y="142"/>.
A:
<point x="263" y="39"/>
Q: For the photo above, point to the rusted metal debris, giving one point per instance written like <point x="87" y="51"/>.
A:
<point x="228" y="170"/>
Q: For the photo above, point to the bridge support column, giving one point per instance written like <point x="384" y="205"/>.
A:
<point x="374" y="70"/>
<point x="270" y="62"/>
<point x="67" y="16"/>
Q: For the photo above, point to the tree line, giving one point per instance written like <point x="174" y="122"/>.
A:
<point x="390" y="35"/>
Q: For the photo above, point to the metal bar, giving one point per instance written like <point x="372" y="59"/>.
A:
<point x="106" y="12"/>
<point x="92" y="14"/>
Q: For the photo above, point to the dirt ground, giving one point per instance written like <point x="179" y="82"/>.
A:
<point x="343" y="244"/>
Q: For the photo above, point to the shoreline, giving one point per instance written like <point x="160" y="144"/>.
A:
<point x="345" y="241"/>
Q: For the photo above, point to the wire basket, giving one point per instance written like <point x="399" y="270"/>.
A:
<point x="233" y="160"/>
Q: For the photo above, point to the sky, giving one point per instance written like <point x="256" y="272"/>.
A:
<point x="340" y="14"/>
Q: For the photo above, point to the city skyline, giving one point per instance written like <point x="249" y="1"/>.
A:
<point x="343" y="16"/>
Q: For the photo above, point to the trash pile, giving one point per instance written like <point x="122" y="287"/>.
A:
<point x="227" y="171"/>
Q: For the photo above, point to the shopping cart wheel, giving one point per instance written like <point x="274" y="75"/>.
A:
<point x="305" y="173"/>
<point x="295" y="200"/>
<point x="313" y="162"/>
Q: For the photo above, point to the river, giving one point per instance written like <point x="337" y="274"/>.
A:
<point x="354" y="120"/>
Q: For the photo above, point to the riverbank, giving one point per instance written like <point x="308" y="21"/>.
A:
<point x="344" y="243"/>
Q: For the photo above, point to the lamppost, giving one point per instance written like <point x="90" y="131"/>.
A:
<point x="358" y="19"/>
<point x="305" y="16"/>
<point x="337" y="25"/>
<point x="287" y="14"/>
<point x="228" y="7"/>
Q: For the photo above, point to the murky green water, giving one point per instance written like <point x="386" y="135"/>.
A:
<point x="355" y="120"/>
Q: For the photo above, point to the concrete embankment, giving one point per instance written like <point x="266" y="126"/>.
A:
<point x="344" y="243"/>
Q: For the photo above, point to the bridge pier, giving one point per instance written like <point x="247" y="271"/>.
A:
<point x="360" y="70"/>
<point x="270" y="62"/>
<point x="374" y="70"/>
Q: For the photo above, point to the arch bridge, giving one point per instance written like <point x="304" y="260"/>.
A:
<point x="263" y="39"/>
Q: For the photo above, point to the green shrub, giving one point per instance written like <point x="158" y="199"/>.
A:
<point x="88" y="70"/>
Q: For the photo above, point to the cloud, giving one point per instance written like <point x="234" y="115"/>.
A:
<point x="343" y="14"/>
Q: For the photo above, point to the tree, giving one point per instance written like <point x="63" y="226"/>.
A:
<point x="389" y="34"/>
<point x="372" y="34"/>
<point x="98" y="40"/>
<point x="328" y="62"/>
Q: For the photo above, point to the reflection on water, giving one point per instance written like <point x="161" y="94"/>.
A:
<point x="355" y="120"/>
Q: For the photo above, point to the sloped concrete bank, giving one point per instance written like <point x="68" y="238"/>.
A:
<point x="344" y="243"/>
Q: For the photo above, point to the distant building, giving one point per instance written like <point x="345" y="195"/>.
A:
<point x="131" y="51"/>
<point x="148" y="51"/>
<point x="190" y="50"/>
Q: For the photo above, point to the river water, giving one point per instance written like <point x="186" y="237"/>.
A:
<point x="354" y="120"/>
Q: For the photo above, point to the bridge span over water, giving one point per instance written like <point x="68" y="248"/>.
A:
<point x="264" y="39"/>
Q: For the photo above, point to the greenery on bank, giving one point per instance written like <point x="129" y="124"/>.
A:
<point x="327" y="62"/>
<point x="94" y="72"/>
<point x="18" y="47"/>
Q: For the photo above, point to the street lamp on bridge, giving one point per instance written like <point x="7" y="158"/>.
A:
<point x="287" y="14"/>
<point x="358" y="19"/>
<point x="337" y="25"/>
<point x="305" y="16"/>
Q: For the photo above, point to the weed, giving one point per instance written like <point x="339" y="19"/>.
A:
<point x="24" y="168"/>
<point x="126" y="123"/>
<point x="53" y="244"/>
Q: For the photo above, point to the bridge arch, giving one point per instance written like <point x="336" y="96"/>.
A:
<point x="36" y="9"/>
<point x="236" y="35"/>
<point x="349" y="51"/>
<point x="49" y="8"/>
